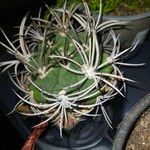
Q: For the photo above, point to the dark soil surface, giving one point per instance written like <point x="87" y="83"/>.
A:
<point x="128" y="7"/>
<point x="140" y="137"/>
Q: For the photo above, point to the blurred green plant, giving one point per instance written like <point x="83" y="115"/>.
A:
<point x="110" y="5"/>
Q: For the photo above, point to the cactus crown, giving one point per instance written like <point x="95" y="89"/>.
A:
<point x="71" y="64"/>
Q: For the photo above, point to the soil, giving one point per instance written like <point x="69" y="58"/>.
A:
<point x="140" y="137"/>
<point x="125" y="8"/>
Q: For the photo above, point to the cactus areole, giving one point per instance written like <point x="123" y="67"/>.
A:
<point x="71" y="65"/>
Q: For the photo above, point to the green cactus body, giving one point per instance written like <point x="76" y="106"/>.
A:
<point x="57" y="78"/>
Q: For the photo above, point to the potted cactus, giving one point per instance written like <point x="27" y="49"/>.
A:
<point x="71" y="66"/>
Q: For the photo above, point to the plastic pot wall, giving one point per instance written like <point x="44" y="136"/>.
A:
<point x="137" y="28"/>
<point x="129" y="122"/>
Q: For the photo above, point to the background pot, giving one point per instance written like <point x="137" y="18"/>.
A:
<point x="128" y="123"/>
<point x="137" y="27"/>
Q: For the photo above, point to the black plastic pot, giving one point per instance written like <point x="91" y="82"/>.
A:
<point x="129" y="122"/>
<point x="87" y="135"/>
<point x="137" y="27"/>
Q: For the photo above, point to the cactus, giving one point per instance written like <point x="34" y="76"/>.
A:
<point x="71" y="65"/>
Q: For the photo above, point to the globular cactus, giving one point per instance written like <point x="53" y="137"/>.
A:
<point x="71" y="65"/>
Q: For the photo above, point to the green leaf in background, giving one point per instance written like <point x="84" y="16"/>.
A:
<point x="111" y="5"/>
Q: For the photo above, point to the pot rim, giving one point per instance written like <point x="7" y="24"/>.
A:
<point x="138" y="16"/>
<point x="129" y="121"/>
